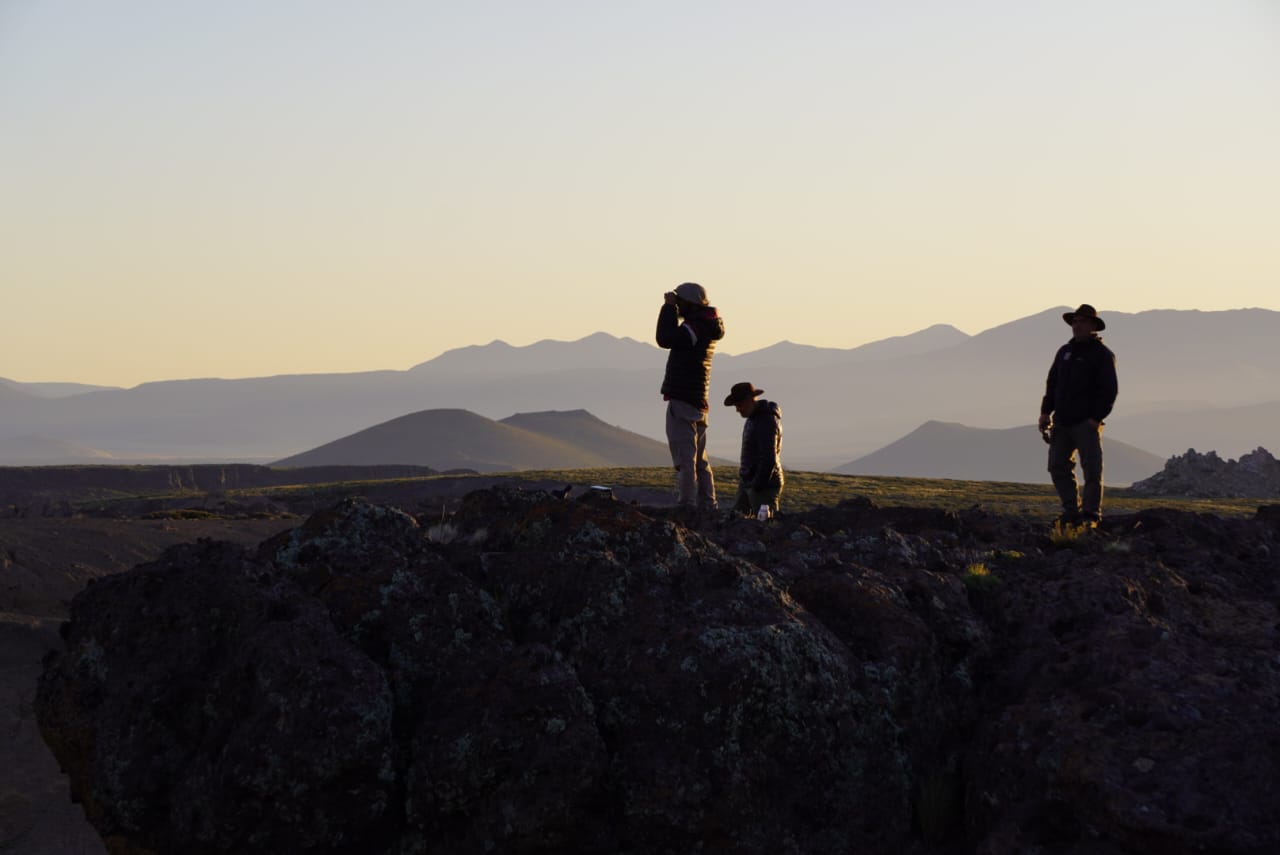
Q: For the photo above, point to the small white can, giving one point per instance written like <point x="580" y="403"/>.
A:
<point x="764" y="513"/>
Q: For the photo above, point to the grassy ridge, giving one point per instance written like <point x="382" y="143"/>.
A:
<point x="806" y="490"/>
<point x="654" y="485"/>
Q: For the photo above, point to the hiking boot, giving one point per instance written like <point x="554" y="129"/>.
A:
<point x="1068" y="518"/>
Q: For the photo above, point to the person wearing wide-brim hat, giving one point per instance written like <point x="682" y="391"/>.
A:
<point x="760" y="476"/>
<point x="1079" y="393"/>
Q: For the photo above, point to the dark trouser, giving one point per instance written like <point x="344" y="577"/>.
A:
<point x="1067" y="440"/>
<point x="749" y="501"/>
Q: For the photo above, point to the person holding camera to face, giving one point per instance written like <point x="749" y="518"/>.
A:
<point x="689" y="328"/>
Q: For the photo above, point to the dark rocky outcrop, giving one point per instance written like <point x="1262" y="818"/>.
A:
<point x="129" y="492"/>
<point x="1255" y="475"/>
<point x="540" y="675"/>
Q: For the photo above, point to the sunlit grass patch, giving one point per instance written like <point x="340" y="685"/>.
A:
<point x="979" y="578"/>
<point x="1067" y="535"/>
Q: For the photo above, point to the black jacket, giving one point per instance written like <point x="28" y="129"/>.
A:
<point x="1082" y="382"/>
<point x="692" y="344"/>
<point x="760" y="464"/>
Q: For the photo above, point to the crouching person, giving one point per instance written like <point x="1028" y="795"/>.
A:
<point x="760" y="467"/>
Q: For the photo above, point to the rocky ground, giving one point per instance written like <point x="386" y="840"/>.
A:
<point x="537" y="674"/>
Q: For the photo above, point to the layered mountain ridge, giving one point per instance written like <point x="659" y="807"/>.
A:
<point x="1187" y="379"/>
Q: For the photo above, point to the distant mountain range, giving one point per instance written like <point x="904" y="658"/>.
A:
<point x="1208" y="380"/>
<point x="948" y="450"/>
<point x="458" y="439"/>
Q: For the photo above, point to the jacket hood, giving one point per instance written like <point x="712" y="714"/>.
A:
<point x="711" y="316"/>
<point x="767" y="408"/>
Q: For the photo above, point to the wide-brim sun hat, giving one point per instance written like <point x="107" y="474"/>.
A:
<point x="741" y="392"/>
<point x="1085" y="311"/>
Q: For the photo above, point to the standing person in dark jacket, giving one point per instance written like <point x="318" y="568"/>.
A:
<point x="1078" y="395"/>
<point x="689" y="328"/>
<point x="760" y="464"/>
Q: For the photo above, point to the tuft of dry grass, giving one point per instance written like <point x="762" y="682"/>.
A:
<point x="981" y="586"/>
<point x="1066" y="535"/>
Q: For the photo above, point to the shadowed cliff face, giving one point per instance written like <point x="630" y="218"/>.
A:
<point x="548" y="675"/>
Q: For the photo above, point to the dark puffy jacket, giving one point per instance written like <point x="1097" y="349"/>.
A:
<point x="760" y="465"/>
<point x="692" y="344"/>
<point x="1082" y="382"/>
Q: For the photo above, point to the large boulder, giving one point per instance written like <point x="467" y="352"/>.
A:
<point x="541" y="675"/>
<point x="559" y="676"/>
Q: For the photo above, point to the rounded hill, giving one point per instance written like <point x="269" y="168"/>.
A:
<point x="460" y="439"/>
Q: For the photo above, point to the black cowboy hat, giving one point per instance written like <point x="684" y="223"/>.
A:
<point x="1085" y="311"/>
<point x="740" y="392"/>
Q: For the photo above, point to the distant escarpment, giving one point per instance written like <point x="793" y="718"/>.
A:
<point x="28" y="485"/>
<point x="200" y="476"/>
<point x="541" y="674"/>
<point x="1255" y="475"/>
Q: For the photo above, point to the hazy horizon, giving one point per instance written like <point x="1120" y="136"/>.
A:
<point x="253" y="189"/>
<point x="722" y="351"/>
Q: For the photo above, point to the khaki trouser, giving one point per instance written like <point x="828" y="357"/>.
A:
<point x="687" y="439"/>
<point x="1066" y="441"/>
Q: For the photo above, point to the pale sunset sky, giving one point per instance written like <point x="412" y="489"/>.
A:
<point x="251" y="187"/>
